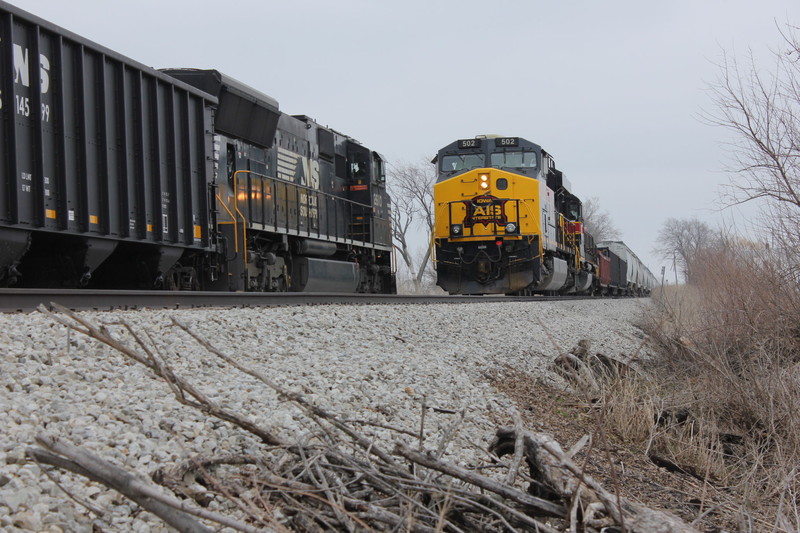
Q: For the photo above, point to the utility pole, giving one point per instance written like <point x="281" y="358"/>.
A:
<point x="675" y="267"/>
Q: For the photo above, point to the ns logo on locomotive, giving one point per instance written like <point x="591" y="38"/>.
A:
<point x="116" y="175"/>
<point x="507" y="223"/>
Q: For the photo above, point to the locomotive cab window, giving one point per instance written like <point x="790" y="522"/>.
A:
<point x="514" y="159"/>
<point x="453" y="163"/>
<point x="574" y="210"/>
<point x="358" y="168"/>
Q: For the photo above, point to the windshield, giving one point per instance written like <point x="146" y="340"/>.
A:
<point x="514" y="159"/>
<point x="452" y="163"/>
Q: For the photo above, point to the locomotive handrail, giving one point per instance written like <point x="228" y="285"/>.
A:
<point x="244" y="219"/>
<point x="305" y="187"/>
<point x="432" y="248"/>
<point x="570" y="238"/>
<point x="533" y="216"/>
<point x="233" y="218"/>
<point x="526" y="203"/>
<point x="303" y="190"/>
<point x="244" y="237"/>
<point x="495" y="232"/>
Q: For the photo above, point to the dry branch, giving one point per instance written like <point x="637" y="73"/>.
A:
<point x="556" y="469"/>
<point x="174" y="512"/>
<point x="480" y="481"/>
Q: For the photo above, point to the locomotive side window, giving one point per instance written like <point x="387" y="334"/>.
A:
<point x="452" y="163"/>
<point x="380" y="171"/>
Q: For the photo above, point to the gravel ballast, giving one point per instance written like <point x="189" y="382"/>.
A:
<point x="371" y="363"/>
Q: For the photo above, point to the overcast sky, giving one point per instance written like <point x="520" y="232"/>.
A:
<point x="612" y="89"/>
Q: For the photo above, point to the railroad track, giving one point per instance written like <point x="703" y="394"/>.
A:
<point x="24" y="300"/>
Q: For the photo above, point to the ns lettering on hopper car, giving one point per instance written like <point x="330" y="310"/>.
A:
<point x="117" y="175"/>
<point x="520" y="230"/>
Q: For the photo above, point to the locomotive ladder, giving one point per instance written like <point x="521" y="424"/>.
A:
<point x="360" y="225"/>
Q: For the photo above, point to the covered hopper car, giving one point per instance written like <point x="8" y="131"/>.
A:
<point x="627" y="275"/>
<point x="116" y="175"/>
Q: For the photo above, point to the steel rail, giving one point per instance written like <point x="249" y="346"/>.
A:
<point x="26" y="300"/>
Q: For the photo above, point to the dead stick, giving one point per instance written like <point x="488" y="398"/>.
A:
<point x="518" y="451"/>
<point x="422" y="420"/>
<point x="285" y="485"/>
<point x="80" y="501"/>
<point x="480" y="481"/>
<point x="639" y="519"/>
<point x="83" y="463"/>
<point x="64" y="455"/>
<point x="449" y="434"/>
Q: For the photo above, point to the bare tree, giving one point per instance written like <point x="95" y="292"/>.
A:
<point x="683" y="240"/>
<point x="403" y="211"/>
<point x="598" y="223"/>
<point x="762" y="110"/>
<point x="411" y="185"/>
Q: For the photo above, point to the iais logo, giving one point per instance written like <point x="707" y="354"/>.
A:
<point x="485" y="209"/>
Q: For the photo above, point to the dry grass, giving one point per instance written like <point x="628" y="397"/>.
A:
<point x="722" y="397"/>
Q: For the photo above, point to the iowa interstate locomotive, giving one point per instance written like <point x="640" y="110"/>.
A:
<point x="116" y="175"/>
<point x="506" y="222"/>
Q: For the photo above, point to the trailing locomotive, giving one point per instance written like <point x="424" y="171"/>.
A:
<point x="116" y="175"/>
<point x="507" y="223"/>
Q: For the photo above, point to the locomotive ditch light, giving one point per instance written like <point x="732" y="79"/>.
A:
<point x="455" y="229"/>
<point x="484" y="184"/>
<point x="511" y="227"/>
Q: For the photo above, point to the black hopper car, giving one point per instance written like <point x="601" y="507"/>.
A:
<point x="116" y="175"/>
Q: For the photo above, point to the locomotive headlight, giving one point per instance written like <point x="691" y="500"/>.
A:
<point x="484" y="181"/>
<point x="511" y="227"/>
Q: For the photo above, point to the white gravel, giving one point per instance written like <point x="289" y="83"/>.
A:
<point x="366" y="362"/>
